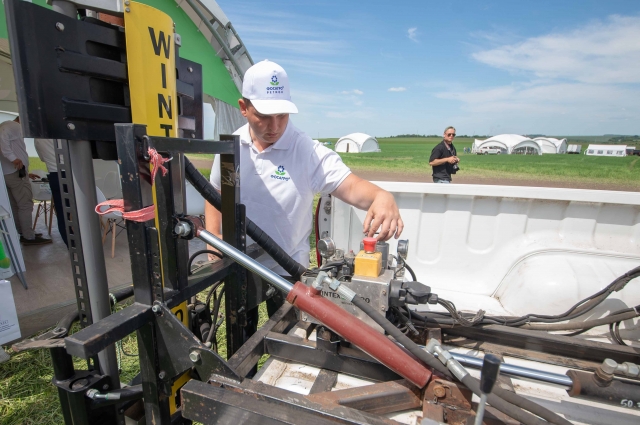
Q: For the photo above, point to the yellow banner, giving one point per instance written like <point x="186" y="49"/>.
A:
<point x="151" y="62"/>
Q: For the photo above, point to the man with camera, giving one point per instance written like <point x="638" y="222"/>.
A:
<point x="444" y="159"/>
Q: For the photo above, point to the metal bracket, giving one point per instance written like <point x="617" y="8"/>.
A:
<point x="181" y="350"/>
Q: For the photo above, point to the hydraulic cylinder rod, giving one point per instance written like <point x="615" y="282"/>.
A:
<point x="518" y="371"/>
<point x="310" y="301"/>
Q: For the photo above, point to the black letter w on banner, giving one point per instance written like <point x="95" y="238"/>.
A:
<point x="160" y="42"/>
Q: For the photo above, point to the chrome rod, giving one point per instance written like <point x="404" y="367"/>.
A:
<point x="246" y="261"/>
<point x="517" y="371"/>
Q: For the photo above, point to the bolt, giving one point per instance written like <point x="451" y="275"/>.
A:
<point x="382" y="308"/>
<point x="71" y="126"/>
<point x="439" y="391"/>
<point x="182" y="229"/>
<point x="384" y="292"/>
<point x="178" y="39"/>
<point x="127" y="10"/>
<point x="270" y="291"/>
<point x="105" y="387"/>
<point x="59" y="26"/>
<point x="241" y="309"/>
<point x="195" y="357"/>
<point x="190" y="69"/>
<point x="127" y="3"/>
<point x="162" y="374"/>
<point x="157" y="309"/>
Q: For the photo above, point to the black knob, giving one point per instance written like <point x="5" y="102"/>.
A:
<point x="490" y="371"/>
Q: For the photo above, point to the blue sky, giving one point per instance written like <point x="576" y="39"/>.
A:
<point x="485" y="67"/>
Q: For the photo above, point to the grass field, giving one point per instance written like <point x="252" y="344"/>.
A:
<point x="411" y="155"/>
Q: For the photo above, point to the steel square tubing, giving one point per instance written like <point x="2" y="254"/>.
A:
<point x="171" y="144"/>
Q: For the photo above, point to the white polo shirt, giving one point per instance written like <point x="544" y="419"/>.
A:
<point x="47" y="153"/>
<point x="277" y="187"/>
<point x="12" y="147"/>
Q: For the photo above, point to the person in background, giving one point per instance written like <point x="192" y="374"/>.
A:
<point x="444" y="159"/>
<point x="46" y="153"/>
<point x="15" y="167"/>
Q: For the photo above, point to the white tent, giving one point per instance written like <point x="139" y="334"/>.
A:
<point x="508" y="144"/>
<point x="606" y="150"/>
<point x="551" y="145"/>
<point x="357" y="143"/>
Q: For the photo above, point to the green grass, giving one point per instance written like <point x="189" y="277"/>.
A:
<point x="411" y="155"/>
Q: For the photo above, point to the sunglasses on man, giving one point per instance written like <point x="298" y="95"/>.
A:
<point x="451" y="134"/>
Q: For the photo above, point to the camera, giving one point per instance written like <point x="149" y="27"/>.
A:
<point x="454" y="168"/>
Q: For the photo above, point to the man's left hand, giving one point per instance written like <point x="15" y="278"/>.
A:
<point x="383" y="214"/>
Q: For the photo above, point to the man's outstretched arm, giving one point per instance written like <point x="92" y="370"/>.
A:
<point x="382" y="211"/>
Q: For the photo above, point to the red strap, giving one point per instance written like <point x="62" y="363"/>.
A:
<point x="146" y="213"/>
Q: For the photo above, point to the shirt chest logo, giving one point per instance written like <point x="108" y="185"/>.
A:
<point x="280" y="174"/>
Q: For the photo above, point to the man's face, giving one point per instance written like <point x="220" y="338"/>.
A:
<point x="449" y="135"/>
<point x="265" y="129"/>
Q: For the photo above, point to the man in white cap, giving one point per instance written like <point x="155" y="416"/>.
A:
<point x="282" y="169"/>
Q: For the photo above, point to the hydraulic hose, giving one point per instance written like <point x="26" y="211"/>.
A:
<point x="507" y="402"/>
<point x="208" y="192"/>
<point x="612" y="318"/>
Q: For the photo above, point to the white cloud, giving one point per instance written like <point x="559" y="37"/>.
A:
<point x="412" y="33"/>
<point x="601" y="53"/>
<point x="397" y="89"/>
<point x="354" y="91"/>
<point x="581" y="80"/>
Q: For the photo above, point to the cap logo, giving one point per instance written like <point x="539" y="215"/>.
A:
<point x="274" y="80"/>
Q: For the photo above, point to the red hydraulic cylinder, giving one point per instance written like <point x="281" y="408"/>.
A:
<point x="359" y="334"/>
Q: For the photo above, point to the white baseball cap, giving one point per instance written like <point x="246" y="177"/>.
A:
<point x="266" y="85"/>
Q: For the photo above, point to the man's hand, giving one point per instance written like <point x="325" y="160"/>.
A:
<point x="383" y="214"/>
<point x="17" y="163"/>
<point x="453" y="160"/>
<point x="382" y="211"/>
<point x="34" y="176"/>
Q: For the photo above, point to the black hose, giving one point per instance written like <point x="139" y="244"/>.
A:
<point x="513" y="408"/>
<point x="133" y="392"/>
<point x="202" y="251"/>
<point x="413" y="275"/>
<point x="580" y="308"/>
<point x="612" y="318"/>
<point x="211" y="195"/>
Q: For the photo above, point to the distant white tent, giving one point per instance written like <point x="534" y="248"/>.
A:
<point x="606" y="150"/>
<point x="551" y="145"/>
<point x="508" y="144"/>
<point x="357" y="143"/>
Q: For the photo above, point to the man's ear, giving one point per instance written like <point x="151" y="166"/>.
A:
<point x="243" y="107"/>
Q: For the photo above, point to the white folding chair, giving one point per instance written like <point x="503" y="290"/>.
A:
<point x="111" y="185"/>
<point x="115" y="223"/>
<point x="195" y="201"/>
<point x="42" y="194"/>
